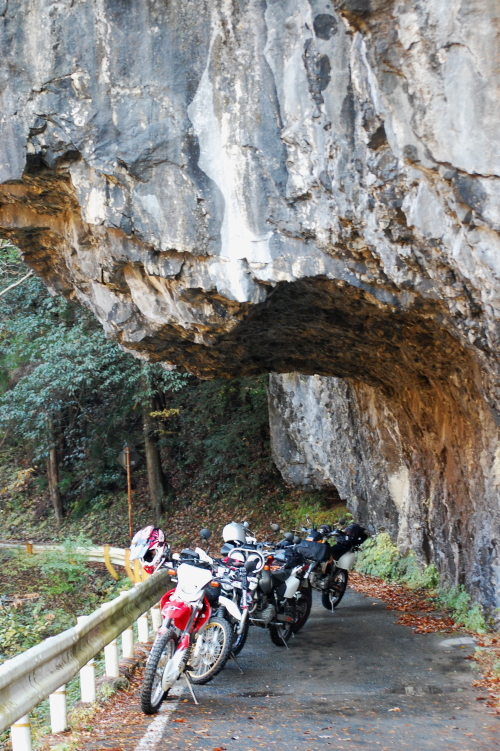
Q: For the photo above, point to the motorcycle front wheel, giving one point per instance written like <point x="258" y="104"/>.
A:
<point x="303" y="606"/>
<point x="212" y="652"/>
<point x="281" y="634"/>
<point x="331" y="598"/>
<point x="152" y="693"/>
<point x="239" y="639"/>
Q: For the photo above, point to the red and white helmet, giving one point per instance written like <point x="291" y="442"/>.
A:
<point x="149" y="545"/>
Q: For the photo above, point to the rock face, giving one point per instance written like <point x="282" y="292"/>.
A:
<point x="290" y="185"/>
<point x="422" y="464"/>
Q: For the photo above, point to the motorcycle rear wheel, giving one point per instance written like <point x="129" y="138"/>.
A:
<point x="213" y="652"/>
<point x="152" y="694"/>
<point x="331" y="598"/>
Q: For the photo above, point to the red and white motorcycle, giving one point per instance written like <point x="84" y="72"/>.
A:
<point x="189" y="641"/>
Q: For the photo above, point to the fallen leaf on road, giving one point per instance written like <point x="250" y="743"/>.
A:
<point x="395" y="709"/>
<point x="180" y="720"/>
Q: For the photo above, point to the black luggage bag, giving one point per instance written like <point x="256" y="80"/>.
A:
<point x="315" y="551"/>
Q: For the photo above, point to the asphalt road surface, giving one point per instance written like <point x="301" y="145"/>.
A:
<point x="351" y="679"/>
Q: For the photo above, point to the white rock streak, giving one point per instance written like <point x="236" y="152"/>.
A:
<point x="223" y="161"/>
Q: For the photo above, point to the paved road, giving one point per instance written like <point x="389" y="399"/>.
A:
<point x="335" y="687"/>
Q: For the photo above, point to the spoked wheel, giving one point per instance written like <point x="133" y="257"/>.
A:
<point x="211" y="651"/>
<point x="303" y="604"/>
<point x="331" y="598"/>
<point x="152" y="693"/>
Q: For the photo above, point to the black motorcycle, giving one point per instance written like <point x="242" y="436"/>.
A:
<point x="329" y="565"/>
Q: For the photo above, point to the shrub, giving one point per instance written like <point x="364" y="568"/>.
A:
<point x="380" y="557"/>
<point x="28" y="624"/>
<point x="458" y="602"/>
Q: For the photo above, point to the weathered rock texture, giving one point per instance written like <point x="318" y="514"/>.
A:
<point x="290" y="185"/>
<point x="423" y="464"/>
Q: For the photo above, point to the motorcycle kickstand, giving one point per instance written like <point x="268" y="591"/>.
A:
<point x="236" y="663"/>
<point x="190" y="688"/>
<point x="284" y="642"/>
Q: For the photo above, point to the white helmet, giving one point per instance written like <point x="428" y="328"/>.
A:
<point x="149" y="546"/>
<point x="234" y="533"/>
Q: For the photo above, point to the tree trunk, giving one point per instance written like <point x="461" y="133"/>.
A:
<point x="157" y="482"/>
<point x="53" y="476"/>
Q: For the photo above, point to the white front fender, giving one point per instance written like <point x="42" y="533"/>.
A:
<point x="172" y="669"/>
<point x="230" y="606"/>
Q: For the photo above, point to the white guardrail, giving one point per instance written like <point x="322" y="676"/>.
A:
<point x="44" y="670"/>
<point x="97" y="553"/>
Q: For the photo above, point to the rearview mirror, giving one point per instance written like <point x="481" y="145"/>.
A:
<point x="246" y="525"/>
<point x="289" y="536"/>
<point x="275" y="527"/>
<point x="206" y="534"/>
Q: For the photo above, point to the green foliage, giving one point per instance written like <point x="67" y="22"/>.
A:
<point x="55" y="587"/>
<point x="58" y="572"/>
<point x="458" y="602"/>
<point x="319" y="508"/>
<point x="380" y="557"/>
<point x="27" y="624"/>
<point x="63" y="383"/>
<point x="215" y="435"/>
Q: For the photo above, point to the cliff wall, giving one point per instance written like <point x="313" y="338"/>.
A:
<point x="421" y="464"/>
<point x="290" y="185"/>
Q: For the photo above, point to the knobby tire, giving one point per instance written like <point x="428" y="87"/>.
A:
<point x="239" y="640"/>
<point x="164" y="646"/>
<point x="301" y="622"/>
<point x="327" y="600"/>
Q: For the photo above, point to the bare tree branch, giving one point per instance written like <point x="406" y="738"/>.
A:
<point x="15" y="284"/>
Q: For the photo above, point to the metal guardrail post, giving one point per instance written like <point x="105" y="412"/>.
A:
<point x="111" y="657"/>
<point x="143" y="629"/>
<point x="20" y="734"/>
<point x="107" y="562"/>
<point x="87" y="675"/>
<point x="58" y="711"/>
<point x="126" y="563"/>
<point x="137" y="571"/>
<point x="128" y="643"/>
<point x="128" y="639"/>
<point x="156" y="618"/>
